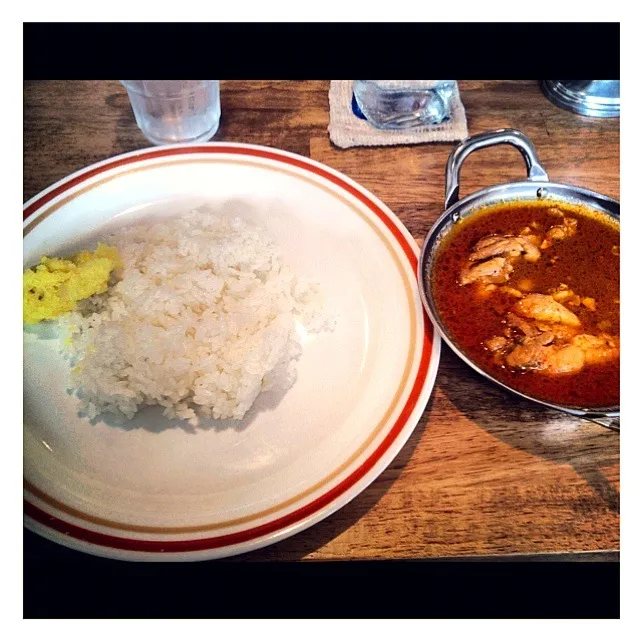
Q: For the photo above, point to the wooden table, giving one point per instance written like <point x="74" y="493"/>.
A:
<point x="483" y="473"/>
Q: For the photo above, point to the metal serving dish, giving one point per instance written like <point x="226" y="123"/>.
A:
<point x="536" y="187"/>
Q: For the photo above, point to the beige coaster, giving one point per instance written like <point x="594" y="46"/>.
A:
<point x="347" y="130"/>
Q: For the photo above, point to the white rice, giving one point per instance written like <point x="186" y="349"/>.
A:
<point x="202" y="320"/>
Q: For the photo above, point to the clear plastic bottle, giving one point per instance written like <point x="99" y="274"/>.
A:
<point x="404" y="104"/>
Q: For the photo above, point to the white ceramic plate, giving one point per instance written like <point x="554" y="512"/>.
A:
<point x="156" y="490"/>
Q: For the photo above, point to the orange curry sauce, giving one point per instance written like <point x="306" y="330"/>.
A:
<point x="587" y="262"/>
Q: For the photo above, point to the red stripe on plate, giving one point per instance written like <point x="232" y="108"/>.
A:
<point x="309" y="509"/>
<point x="261" y="153"/>
<point x="255" y="532"/>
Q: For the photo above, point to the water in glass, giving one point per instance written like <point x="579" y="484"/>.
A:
<point x="404" y="104"/>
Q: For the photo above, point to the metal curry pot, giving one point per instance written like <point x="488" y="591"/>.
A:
<point x="536" y="187"/>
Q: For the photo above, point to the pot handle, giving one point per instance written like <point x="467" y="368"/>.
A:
<point x="609" y="422"/>
<point x="513" y="137"/>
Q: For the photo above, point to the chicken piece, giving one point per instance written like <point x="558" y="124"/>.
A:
<point x="550" y="360"/>
<point x="497" y="343"/>
<point x="539" y="354"/>
<point x="495" y="246"/>
<point x="561" y="296"/>
<point x="571" y="226"/>
<point x="563" y="231"/>
<point x="567" y="359"/>
<point x="544" y="308"/>
<point x="544" y="338"/>
<point x="494" y="270"/>
<point x="540" y="339"/>
<point x="522" y="325"/>
<point x="508" y="246"/>
<point x="483" y="291"/>
<point x="528" y="230"/>
<point x="528" y="234"/>
<point x="526" y="285"/>
<point x="597" y="349"/>
<point x="534" y="240"/>
<point x="511" y="291"/>
<point x="565" y="295"/>
<point x="590" y="303"/>
<point x="497" y="252"/>
<point x="562" y="332"/>
<point x="525" y="356"/>
<point x="556" y="233"/>
<point x="561" y="293"/>
<point x="531" y="251"/>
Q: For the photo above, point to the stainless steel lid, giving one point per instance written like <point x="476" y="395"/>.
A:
<point x="595" y="98"/>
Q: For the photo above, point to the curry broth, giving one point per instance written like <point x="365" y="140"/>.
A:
<point x="585" y="262"/>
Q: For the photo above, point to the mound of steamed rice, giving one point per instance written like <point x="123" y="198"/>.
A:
<point x="202" y="319"/>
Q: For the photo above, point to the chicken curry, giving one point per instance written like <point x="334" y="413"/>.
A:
<point x="531" y="293"/>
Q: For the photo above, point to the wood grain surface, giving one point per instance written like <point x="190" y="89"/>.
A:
<point x="484" y="473"/>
